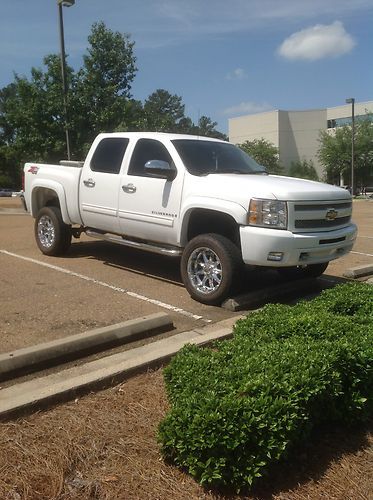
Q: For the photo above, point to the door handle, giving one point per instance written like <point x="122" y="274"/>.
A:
<point x="129" y="188"/>
<point x="89" y="183"/>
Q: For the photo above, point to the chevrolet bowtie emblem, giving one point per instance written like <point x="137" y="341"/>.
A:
<point x="331" y="214"/>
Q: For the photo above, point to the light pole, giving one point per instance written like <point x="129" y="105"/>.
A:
<point x="351" y="100"/>
<point x="60" y="4"/>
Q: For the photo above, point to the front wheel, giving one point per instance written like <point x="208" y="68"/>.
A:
<point x="210" y="266"/>
<point x="301" y="272"/>
<point x="52" y="235"/>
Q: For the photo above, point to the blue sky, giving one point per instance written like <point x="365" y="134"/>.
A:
<point x="224" y="58"/>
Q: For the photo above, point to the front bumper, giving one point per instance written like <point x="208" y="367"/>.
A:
<point x="258" y="244"/>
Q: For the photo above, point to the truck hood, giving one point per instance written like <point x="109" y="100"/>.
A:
<point x="240" y="188"/>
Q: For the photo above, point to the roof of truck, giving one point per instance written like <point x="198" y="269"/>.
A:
<point x="158" y="135"/>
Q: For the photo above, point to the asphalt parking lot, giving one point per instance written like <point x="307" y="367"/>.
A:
<point x="97" y="284"/>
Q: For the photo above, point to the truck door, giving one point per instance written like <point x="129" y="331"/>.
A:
<point x="149" y="206"/>
<point x="100" y="184"/>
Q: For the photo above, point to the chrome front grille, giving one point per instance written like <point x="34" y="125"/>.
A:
<point x="321" y="223"/>
<point x="308" y="208"/>
<point x="313" y="216"/>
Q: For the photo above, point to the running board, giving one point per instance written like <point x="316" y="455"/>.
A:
<point x="171" y="251"/>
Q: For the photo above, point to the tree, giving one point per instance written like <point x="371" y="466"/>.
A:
<point x="31" y="118"/>
<point x="133" y="117"/>
<point x="264" y="153"/>
<point x="303" y="169"/>
<point x="364" y="151"/>
<point x="163" y="111"/>
<point x="8" y="174"/>
<point x="207" y="128"/>
<point x="104" y="83"/>
<point x="335" y="152"/>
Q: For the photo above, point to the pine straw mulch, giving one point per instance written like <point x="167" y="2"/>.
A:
<point x="103" y="446"/>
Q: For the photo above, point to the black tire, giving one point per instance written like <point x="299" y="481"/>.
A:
<point x="301" y="272"/>
<point x="52" y="235"/>
<point x="210" y="266"/>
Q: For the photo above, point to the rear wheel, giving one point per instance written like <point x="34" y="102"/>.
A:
<point x="300" y="272"/>
<point x="210" y="266"/>
<point x="52" y="235"/>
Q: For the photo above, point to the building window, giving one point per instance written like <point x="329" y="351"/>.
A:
<point x="331" y="124"/>
<point x="341" y="122"/>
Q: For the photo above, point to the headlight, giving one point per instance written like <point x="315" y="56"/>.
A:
<point x="268" y="213"/>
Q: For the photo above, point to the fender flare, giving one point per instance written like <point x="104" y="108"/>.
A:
<point x="60" y="195"/>
<point x="236" y="211"/>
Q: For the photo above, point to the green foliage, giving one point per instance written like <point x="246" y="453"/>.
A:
<point x="264" y="153"/>
<point x="163" y="111"/>
<point x="206" y="127"/>
<point x="103" y="84"/>
<point x="303" y="169"/>
<point x="242" y="406"/>
<point x="335" y="152"/>
<point x="32" y="118"/>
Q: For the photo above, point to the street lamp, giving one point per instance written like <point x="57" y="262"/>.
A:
<point x="351" y="100"/>
<point x="60" y="4"/>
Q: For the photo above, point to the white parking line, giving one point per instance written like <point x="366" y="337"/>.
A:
<point x="361" y="253"/>
<point x="115" y="288"/>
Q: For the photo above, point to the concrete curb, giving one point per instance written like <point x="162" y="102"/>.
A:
<point x="38" y="393"/>
<point x="49" y="353"/>
<point x="358" y="271"/>
<point x="41" y="392"/>
<point x="264" y="295"/>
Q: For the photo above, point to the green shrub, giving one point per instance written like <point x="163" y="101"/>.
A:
<point x="352" y="299"/>
<point x="241" y="406"/>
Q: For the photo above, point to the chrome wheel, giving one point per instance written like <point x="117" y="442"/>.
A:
<point x="210" y="267"/>
<point x="205" y="270"/>
<point x="46" y="231"/>
<point x="52" y="235"/>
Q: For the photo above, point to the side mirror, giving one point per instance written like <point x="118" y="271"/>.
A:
<point x="161" y="169"/>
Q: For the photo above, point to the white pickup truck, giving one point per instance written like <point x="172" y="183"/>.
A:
<point x="197" y="198"/>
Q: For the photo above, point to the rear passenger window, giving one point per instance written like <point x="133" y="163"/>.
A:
<point x="109" y="154"/>
<point x="147" y="150"/>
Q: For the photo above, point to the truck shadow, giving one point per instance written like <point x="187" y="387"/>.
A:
<point x="167" y="269"/>
<point x="158" y="267"/>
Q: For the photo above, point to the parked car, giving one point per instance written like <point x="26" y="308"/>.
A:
<point x="5" y="192"/>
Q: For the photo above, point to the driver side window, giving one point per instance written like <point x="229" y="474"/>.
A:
<point x="147" y="150"/>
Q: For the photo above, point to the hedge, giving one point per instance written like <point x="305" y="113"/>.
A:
<point x="241" y="406"/>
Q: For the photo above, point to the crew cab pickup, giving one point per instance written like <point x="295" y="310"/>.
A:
<point x="197" y="198"/>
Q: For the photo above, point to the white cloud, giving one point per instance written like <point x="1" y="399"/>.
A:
<point x="237" y="74"/>
<point x="247" y="108"/>
<point x="318" y="42"/>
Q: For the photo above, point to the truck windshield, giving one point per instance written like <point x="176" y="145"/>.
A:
<point x="202" y="157"/>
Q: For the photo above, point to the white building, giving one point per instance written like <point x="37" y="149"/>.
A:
<point x="294" y="133"/>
